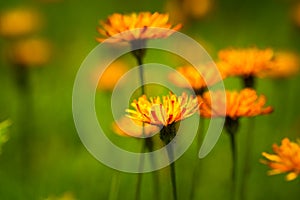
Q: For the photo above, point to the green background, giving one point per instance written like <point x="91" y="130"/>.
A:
<point x="44" y="155"/>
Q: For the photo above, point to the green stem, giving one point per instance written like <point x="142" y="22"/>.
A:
<point x="140" y="175"/>
<point x="172" y="170"/>
<point x="155" y="176"/>
<point x="167" y="134"/>
<point x="247" y="158"/>
<point x="195" y="177"/>
<point x="249" y="81"/>
<point x="115" y="185"/>
<point x="232" y="126"/>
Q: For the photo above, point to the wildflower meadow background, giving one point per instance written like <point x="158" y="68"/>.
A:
<point x="44" y="42"/>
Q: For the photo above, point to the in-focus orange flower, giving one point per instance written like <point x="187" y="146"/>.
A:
<point x="163" y="112"/>
<point x="30" y="52"/>
<point x="136" y="26"/>
<point x="245" y="103"/>
<point x="192" y="78"/>
<point x="245" y="62"/>
<point x="18" y="22"/>
<point x="285" y="160"/>
<point x="130" y="128"/>
<point x="285" y="64"/>
<point x="111" y="75"/>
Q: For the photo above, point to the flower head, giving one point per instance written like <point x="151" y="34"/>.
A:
<point x="285" y="160"/>
<point x="245" y="103"/>
<point x="31" y="52"/>
<point x="165" y="111"/>
<point x="137" y="27"/>
<point x="18" y="22"/>
<point x="245" y="62"/>
<point x="128" y="127"/>
<point x="111" y="75"/>
<point x="284" y="64"/>
<point x="196" y="80"/>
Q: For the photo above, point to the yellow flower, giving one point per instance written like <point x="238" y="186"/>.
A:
<point x="137" y="25"/>
<point x="245" y="62"/>
<point x="128" y="127"/>
<point x="163" y="112"/>
<point x="285" y="160"/>
<point x="111" y="75"/>
<point x="194" y="78"/>
<point x="196" y="8"/>
<point x="245" y="103"/>
<point x="30" y="52"/>
<point x="18" y="22"/>
<point x="284" y="64"/>
<point x="296" y="14"/>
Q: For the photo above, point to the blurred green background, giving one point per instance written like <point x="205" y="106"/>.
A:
<point x="44" y="157"/>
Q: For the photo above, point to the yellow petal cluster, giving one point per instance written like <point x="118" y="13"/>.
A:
<point x="165" y="111"/>
<point x="286" y="159"/>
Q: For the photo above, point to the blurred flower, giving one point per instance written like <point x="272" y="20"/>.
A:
<point x="285" y="160"/>
<point x="245" y="103"/>
<point x="111" y="75"/>
<point x="18" y="22"/>
<point x="196" y="8"/>
<point x="183" y="10"/>
<point x="284" y="64"/>
<point x="30" y="52"/>
<point x="128" y="127"/>
<point x="137" y="25"/>
<point x="65" y="196"/>
<point x="245" y="62"/>
<point x="194" y="78"/>
<point x="296" y="14"/>
<point x="163" y="113"/>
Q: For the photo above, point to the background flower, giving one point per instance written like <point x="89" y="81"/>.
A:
<point x="245" y="62"/>
<point x="138" y="24"/>
<point x="19" y="22"/>
<point x="245" y="103"/>
<point x="286" y="159"/>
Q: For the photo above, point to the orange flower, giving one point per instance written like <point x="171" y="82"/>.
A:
<point x="194" y="78"/>
<point x="284" y="64"/>
<point x="137" y="26"/>
<point x="163" y="113"/>
<point x="31" y="52"/>
<point x="285" y="160"/>
<point x="296" y="14"/>
<point x="196" y="8"/>
<point x="128" y="127"/>
<point x="19" y="22"/>
<point x="245" y="103"/>
<point x="111" y="75"/>
<point x="245" y="62"/>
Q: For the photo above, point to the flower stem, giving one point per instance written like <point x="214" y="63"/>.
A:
<point x="114" y="187"/>
<point x="247" y="158"/>
<point x="249" y="81"/>
<point x="140" y="175"/>
<point x="231" y="126"/>
<point x="172" y="170"/>
<point x="195" y="175"/>
<point x="167" y="134"/>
